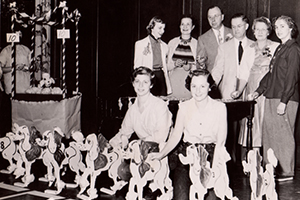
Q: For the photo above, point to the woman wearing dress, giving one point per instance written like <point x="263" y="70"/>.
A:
<point x="280" y="88"/>
<point x="181" y="57"/>
<point x="264" y="51"/>
<point x="196" y="122"/>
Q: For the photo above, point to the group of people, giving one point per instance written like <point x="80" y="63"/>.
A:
<point x="261" y="70"/>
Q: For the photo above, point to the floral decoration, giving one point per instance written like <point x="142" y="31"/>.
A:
<point x="267" y="52"/>
<point x="147" y="49"/>
<point x="228" y="37"/>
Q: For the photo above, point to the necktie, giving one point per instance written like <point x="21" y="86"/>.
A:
<point x="240" y="51"/>
<point x="220" y="39"/>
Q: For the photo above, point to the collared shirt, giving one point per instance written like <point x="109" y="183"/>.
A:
<point x="282" y="82"/>
<point x="221" y="31"/>
<point x="157" y="60"/>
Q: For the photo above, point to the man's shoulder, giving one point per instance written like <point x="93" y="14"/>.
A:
<point x="207" y="34"/>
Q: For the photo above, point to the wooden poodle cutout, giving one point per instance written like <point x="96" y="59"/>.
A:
<point x="113" y="173"/>
<point x="203" y="176"/>
<point x="99" y="158"/>
<point x="144" y="170"/>
<point x="10" y="152"/>
<point x="262" y="182"/>
<point x="29" y="151"/>
<point x="74" y="157"/>
<point x="53" y="157"/>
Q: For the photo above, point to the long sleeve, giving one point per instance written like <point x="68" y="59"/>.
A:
<point x="218" y="69"/>
<point x="292" y="74"/>
<point x="201" y="51"/>
<point x="138" y="57"/>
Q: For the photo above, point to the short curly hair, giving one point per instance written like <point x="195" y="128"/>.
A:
<point x="199" y="72"/>
<point x="143" y="71"/>
<point x="263" y="20"/>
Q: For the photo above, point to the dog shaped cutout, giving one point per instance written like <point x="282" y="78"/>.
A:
<point x="118" y="172"/>
<point x="53" y="157"/>
<point x="74" y="157"/>
<point x="262" y="182"/>
<point x="144" y="170"/>
<point x="203" y="176"/>
<point x="29" y="151"/>
<point x="98" y="159"/>
<point x="9" y="150"/>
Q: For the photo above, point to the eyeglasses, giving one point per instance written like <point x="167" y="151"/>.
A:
<point x="213" y="17"/>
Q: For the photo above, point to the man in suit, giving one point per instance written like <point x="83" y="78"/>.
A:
<point x="232" y="55"/>
<point x="152" y="52"/>
<point x="209" y="41"/>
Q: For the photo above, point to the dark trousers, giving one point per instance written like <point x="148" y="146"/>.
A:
<point x="159" y="88"/>
<point x="5" y="113"/>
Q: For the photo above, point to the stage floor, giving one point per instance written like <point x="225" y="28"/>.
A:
<point x="289" y="190"/>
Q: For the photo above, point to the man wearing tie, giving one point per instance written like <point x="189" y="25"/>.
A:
<point x="231" y="56"/>
<point x="237" y="51"/>
<point x="209" y="41"/>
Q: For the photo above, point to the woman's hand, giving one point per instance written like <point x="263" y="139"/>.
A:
<point x="281" y="108"/>
<point x="252" y="96"/>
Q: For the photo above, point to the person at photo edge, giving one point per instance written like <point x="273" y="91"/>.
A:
<point x="281" y="90"/>
<point x="152" y="52"/>
<point x="182" y="58"/>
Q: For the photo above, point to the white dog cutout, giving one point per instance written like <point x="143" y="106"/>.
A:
<point x="74" y="157"/>
<point x="98" y="159"/>
<point x="53" y="157"/>
<point x="9" y="150"/>
<point x="29" y="151"/>
<point x="203" y="177"/>
<point x="261" y="183"/>
<point x="144" y="170"/>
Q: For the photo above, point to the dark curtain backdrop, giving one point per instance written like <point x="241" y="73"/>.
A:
<point x="108" y="30"/>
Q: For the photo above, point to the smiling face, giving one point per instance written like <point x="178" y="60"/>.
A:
<point x="158" y="30"/>
<point x="199" y="87"/>
<point x="239" y="28"/>
<point x="261" y="31"/>
<point x="283" y="31"/>
<point x="186" y="26"/>
<point x="142" y="84"/>
<point x="215" y="17"/>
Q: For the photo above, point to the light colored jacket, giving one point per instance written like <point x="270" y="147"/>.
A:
<point x="208" y="46"/>
<point x="226" y="70"/>
<point x="143" y="56"/>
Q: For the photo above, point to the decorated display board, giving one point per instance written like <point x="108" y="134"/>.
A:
<point x="42" y="105"/>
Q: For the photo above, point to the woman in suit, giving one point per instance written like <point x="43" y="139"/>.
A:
<point x="152" y="52"/>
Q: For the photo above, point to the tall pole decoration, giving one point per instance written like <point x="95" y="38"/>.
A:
<point x="77" y="17"/>
<point x="13" y="53"/>
<point x="32" y="54"/>
<point x="64" y="8"/>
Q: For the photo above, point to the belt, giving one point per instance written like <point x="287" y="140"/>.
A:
<point x="156" y="69"/>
